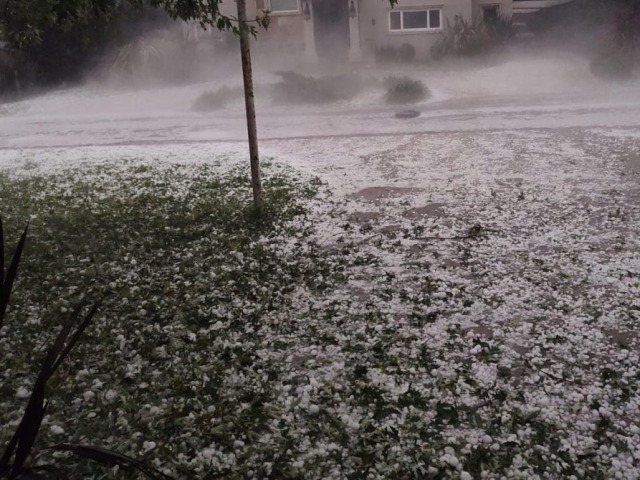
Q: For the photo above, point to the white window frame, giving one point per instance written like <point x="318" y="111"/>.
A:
<point x="415" y="30"/>
<point x="283" y="12"/>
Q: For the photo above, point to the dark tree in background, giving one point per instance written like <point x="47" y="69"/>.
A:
<point x="621" y="18"/>
<point x="53" y="41"/>
<point x="626" y="28"/>
<point x="617" y="51"/>
<point x="606" y="30"/>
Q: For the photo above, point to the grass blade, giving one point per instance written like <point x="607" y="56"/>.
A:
<point x="28" y="430"/>
<point x="84" y="323"/>
<point x="1" y="255"/>
<point x="55" y="352"/>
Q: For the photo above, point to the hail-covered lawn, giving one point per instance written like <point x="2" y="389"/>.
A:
<point x="455" y="305"/>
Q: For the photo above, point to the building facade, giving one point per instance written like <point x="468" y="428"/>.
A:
<point x="526" y="11"/>
<point x="356" y="29"/>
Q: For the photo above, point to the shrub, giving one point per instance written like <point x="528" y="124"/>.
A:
<point x="501" y="29"/>
<point x="7" y="73"/>
<point x="152" y="58"/>
<point x="406" y="52"/>
<point x="296" y="88"/>
<point x="216" y="99"/>
<point x="16" y="74"/>
<point x="466" y="38"/>
<point x="621" y="47"/>
<point x="612" y="66"/>
<point x="625" y="34"/>
<point x="405" y="90"/>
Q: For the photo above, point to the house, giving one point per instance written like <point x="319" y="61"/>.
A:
<point x="526" y="11"/>
<point x="532" y="6"/>
<point x="356" y="29"/>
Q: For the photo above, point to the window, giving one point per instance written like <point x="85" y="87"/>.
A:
<point x="284" y="6"/>
<point x="413" y="20"/>
<point x="434" y="19"/>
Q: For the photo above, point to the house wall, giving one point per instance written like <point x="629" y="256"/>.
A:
<point x="286" y="31"/>
<point x="374" y="24"/>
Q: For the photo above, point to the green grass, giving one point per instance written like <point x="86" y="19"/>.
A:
<point x="189" y="277"/>
<point x="232" y="347"/>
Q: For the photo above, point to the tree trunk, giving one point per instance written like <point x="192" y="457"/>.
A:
<point x="247" y="74"/>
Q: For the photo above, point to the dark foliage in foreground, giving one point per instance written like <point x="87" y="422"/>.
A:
<point x="7" y="278"/>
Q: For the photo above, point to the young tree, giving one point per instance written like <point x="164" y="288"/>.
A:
<point x="50" y="30"/>
<point x="29" y="24"/>
<point x="207" y="12"/>
<point x="247" y="76"/>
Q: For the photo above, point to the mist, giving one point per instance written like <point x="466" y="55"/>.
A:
<point x="444" y="282"/>
<point x="181" y="62"/>
<point x="172" y="73"/>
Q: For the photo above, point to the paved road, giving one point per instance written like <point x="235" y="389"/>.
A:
<point x="83" y="117"/>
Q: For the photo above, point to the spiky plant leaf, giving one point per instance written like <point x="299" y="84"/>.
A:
<point x="1" y="254"/>
<point x="7" y="279"/>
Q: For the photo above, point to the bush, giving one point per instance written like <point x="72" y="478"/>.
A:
<point x="625" y="34"/>
<point x="467" y="38"/>
<point x="147" y="53"/>
<point x="15" y="74"/>
<point x="296" y="88"/>
<point x="8" y="80"/>
<point x="612" y="66"/>
<point x="621" y="47"/>
<point x="405" y="90"/>
<point x="216" y="99"/>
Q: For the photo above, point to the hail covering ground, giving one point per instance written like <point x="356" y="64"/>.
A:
<point x="486" y="324"/>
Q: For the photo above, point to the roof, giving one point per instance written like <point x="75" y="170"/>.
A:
<point x="526" y="6"/>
